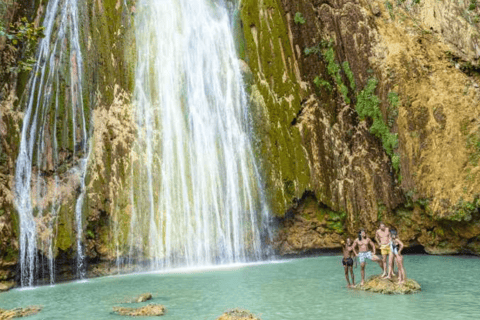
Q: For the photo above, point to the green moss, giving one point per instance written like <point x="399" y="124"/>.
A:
<point x="463" y="210"/>
<point x="333" y="70"/>
<point x="275" y="102"/>
<point x="473" y="5"/>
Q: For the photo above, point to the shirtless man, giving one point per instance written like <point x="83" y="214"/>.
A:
<point x="347" y="261"/>
<point x="382" y="236"/>
<point x="363" y="242"/>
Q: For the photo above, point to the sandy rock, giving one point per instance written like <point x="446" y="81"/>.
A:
<point x="148" y="310"/>
<point x="386" y="286"/>
<point x="7" y="285"/>
<point x="19" y="312"/>
<point x="238" y="314"/>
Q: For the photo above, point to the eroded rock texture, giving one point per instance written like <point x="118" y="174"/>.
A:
<point x="419" y="173"/>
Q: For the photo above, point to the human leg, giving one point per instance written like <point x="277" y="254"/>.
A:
<point x="362" y="272"/>
<point x="353" y="275"/>
<point x="346" y="276"/>
<point x="390" y="265"/>
<point x="402" y="277"/>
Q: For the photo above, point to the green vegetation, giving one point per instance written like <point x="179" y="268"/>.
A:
<point x="473" y="5"/>
<point x="368" y="106"/>
<point x="333" y="70"/>
<point x="389" y="7"/>
<point x="23" y="35"/>
<point x="336" y="221"/>
<point x="299" y="19"/>
<point x="416" y="1"/>
<point x="463" y="210"/>
<point x="349" y="74"/>
<point x="311" y="50"/>
<point x="322" y="83"/>
<point x="392" y="111"/>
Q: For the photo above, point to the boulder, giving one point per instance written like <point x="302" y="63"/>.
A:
<point x="389" y="286"/>
<point x="148" y="310"/>
<point x="238" y="314"/>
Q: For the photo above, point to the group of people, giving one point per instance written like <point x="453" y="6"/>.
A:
<point x="390" y="246"/>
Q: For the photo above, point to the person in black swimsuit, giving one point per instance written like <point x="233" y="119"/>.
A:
<point x="347" y="261"/>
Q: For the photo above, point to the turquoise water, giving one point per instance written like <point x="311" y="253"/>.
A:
<point x="309" y="288"/>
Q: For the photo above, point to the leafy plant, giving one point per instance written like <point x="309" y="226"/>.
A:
<point x="311" y="50"/>
<point x="473" y="5"/>
<point x="349" y="74"/>
<point x="368" y="106"/>
<point x="23" y="35"/>
<point x="298" y="18"/>
<point x="322" y="83"/>
<point x="333" y="70"/>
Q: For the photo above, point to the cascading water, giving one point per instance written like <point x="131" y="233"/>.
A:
<point x="48" y="148"/>
<point x="196" y="197"/>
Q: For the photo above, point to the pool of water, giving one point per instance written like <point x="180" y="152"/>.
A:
<point x="308" y="288"/>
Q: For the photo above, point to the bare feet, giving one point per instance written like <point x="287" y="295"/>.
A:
<point x="388" y="277"/>
<point x="362" y="283"/>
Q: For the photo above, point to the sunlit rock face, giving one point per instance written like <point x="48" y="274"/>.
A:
<point x="427" y="105"/>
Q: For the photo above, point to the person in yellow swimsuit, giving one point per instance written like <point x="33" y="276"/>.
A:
<point x="382" y="236"/>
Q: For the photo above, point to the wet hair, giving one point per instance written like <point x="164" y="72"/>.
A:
<point x="393" y="232"/>
<point x="381" y="222"/>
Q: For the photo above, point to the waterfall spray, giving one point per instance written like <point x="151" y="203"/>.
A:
<point x="196" y="194"/>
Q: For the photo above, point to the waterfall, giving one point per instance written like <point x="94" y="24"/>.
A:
<point x="53" y="149"/>
<point x="196" y="193"/>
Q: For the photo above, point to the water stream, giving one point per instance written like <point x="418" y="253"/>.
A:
<point x="196" y="194"/>
<point x="53" y="146"/>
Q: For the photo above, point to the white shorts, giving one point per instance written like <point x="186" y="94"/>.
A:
<point x="364" y="255"/>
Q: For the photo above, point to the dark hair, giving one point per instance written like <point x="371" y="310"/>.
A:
<point x="360" y="234"/>
<point x="393" y="232"/>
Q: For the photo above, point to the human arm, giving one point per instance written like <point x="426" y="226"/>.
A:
<point x="377" y="238"/>
<point x="373" y="246"/>
<point x="400" y="246"/>
<point x="353" y="247"/>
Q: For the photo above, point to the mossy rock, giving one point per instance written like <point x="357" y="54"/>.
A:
<point x="386" y="286"/>
<point x="6" y="285"/>
<point x="238" y="314"/>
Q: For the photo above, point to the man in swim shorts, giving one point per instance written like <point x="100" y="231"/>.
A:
<point x="382" y="236"/>
<point x="347" y="261"/>
<point x="363" y="242"/>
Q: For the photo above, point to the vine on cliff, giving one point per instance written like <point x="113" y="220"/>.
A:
<point x="368" y="106"/>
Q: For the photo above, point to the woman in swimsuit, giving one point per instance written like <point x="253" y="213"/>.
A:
<point x="396" y="246"/>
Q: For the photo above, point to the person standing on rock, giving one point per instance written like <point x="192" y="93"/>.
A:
<point x="397" y="247"/>
<point x="382" y="236"/>
<point x="363" y="242"/>
<point x="347" y="261"/>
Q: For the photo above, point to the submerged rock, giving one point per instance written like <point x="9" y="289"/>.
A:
<point x="238" y="314"/>
<point x="148" y="310"/>
<point x="386" y="286"/>
<point x="19" y="312"/>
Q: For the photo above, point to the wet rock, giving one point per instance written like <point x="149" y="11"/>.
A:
<point x="6" y="285"/>
<point x="144" y="297"/>
<point x="238" y="314"/>
<point x="148" y="310"/>
<point x="386" y="286"/>
<point x="19" y="312"/>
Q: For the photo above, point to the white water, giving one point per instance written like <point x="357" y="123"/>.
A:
<point x="57" y="74"/>
<point x="196" y="194"/>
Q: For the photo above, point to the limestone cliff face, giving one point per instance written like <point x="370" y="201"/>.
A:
<point x="392" y="135"/>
